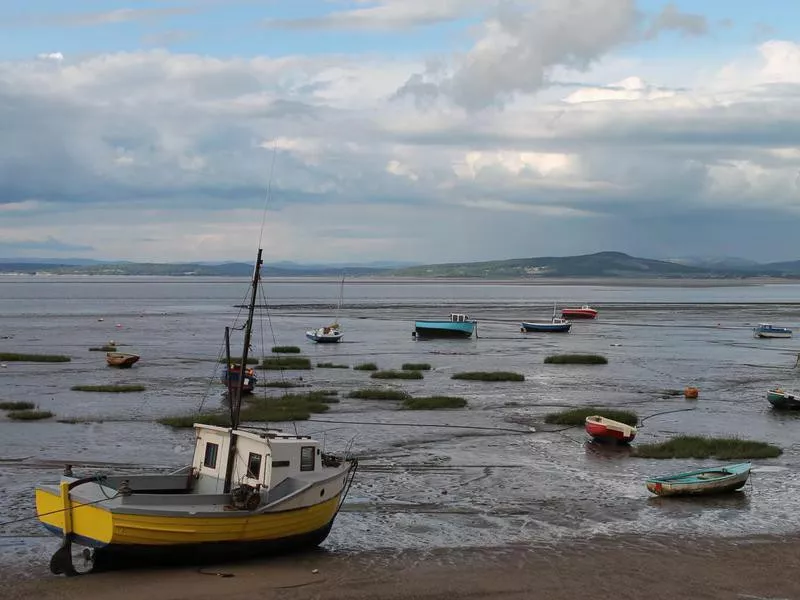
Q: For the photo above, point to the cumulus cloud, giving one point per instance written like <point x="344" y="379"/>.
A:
<point x="519" y="44"/>
<point x="163" y="156"/>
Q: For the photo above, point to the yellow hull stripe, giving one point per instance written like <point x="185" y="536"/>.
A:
<point x="100" y="524"/>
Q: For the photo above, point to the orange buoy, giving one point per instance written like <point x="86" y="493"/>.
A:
<point x="691" y="392"/>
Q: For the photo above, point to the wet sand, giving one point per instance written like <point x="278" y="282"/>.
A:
<point x="751" y="568"/>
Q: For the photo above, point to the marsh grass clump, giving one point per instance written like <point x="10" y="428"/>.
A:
<point x="14" y="356"/>
<point x="290" y="407"/>
<point x="577" y="416"/>
<point x="330" y="365"/>
<point x="416" y="367"/>
<point x="29" y="415"/>
<point x="576" y="359"/>
<point x="379" y="394"/>
<point x="366" y="367"/>
<point x="276" y="363"/>
<point x="16" y="405"/>
<point x="434" y="403"/>
<point x="688" y="446"/>
<point x="489" y="376"/>
<point x="286" y="349"/>
<point x="326" y="396"/>
<point x="136" y="387"/>
<point x="391" y="374"/>
<point x="237" y="360"/>
<point x="106" y="348"/>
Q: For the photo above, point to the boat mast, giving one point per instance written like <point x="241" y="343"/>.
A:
<point x="228" y="382"/>
<point x="236" y="401"/>
<point x="341" y="297"/>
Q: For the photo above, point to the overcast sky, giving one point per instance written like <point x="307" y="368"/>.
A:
<point x="409" y="130"/>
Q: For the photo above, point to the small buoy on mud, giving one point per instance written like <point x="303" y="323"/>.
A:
<point x="119" y="324"/>
<point x="314" y="571"/>
<point x="691" y="392"/>
<point x="101" y="319"/>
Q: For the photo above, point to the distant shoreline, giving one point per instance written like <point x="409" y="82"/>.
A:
<point x="673" y="282"/>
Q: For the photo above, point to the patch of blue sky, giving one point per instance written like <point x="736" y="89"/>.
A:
<point x="222" y="29"/>
<point x="734" y="26"/>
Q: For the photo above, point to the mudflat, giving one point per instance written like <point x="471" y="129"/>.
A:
<point x="653" y="568"/>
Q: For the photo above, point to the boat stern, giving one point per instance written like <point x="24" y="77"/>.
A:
<point x="89" y="523"/>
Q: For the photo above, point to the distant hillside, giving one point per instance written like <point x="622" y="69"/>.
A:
<point x="601" y="264"/>
<point x="598" y="265"/>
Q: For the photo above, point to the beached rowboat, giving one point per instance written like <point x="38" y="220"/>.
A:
<point x="783" y="400"/>
<point x="608" y="430"/>
<point x="121" y="359"/>
<point x="712" y="480"/>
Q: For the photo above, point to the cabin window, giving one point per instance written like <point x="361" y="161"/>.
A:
<point x="280" y="463"/>
<point x="254" y="466"/>
<point x="307" y="457"/>
<point x="210" y="459"/>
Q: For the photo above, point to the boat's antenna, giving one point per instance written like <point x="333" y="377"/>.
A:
<point x="268" y="196"/>
<point x="236" y="400"/>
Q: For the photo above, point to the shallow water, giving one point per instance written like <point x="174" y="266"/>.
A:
<point x="422" y="483"/>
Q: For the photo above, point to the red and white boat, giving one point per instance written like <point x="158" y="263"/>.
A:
<point x="584" y="312"/>
<point x="606" y="430"/>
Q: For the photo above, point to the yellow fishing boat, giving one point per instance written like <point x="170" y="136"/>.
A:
<point x="246" y="491"/>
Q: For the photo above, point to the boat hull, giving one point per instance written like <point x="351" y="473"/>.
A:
<point x="119" y="556"/>
<point x="603" y="434"/>
<point x="772" y="334"/>
<point x="231" y="378"/>
<point x="578" y="314"/>
<point x="546" y="327"/>
<point x="443" y="329"/>
<point x="324" y="338"/>
<point x="783" y="400"/>
<point x="692" y="484"/>
<point x="608" y="430"/>
<point x="121" y="361"/>
<point x="96" y="526"/>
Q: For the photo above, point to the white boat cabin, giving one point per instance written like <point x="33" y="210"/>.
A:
<point x="263" y="459"/>
<point x="459" y="318"/>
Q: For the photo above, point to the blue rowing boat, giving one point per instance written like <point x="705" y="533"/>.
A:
<point x="712" y="480"/>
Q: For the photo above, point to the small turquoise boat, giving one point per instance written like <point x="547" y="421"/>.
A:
<point x="457" y="326"/>
<point x="783" y="400"/>
<point x="712" y="480"/>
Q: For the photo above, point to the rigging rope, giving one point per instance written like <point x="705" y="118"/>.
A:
<point x="506" y="429"/>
